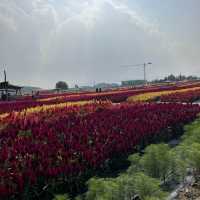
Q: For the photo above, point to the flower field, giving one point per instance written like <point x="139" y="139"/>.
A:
<point x="66" y="141"/>
<point x="59" y="137"/>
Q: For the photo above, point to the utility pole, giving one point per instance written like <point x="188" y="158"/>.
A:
<point x="144" y="68"/>
<point x="5" y="82"/>
<point x="5" y="78"/>
<point x="145" y="80"/>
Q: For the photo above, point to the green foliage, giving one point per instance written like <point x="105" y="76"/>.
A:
<point x="102" y="189"/>
<point x="188" y="152"/>
<point x="179" y="165"/>
<point x="192" y="133"/>
<point x="126" y="186"/>
<point x="157" y="161"/>
<point x="134" y="159"/>
<point x="61" y="197"/>
<point x="152" y="198"/>
<point x="194" y="156"/>
<point x="135" y="163"/>
<point x="147" y="187"/>
<point x="79" y="197"/>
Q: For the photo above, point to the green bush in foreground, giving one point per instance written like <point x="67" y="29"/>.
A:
<point x="102" y="189"/>
<point x="188" y="152"/>
<point x="157" y="161"/>
<point x="124" y="187"/>
<point x="147" y="187"/>
<point x="194" y="157"/>
<point x="61" y="197"/>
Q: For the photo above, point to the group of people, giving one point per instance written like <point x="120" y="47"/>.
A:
<point x="98" y="90"/>
<point x="35" y="94"/>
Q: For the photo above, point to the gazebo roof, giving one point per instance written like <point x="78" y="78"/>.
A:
<point x="6" y="85"/>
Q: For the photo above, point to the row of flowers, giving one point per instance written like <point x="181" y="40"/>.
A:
<point x="184" y="97"/>
<point x="67" y="141"/>
<point x="190" y="93"/>
<point x="44" y="109"/>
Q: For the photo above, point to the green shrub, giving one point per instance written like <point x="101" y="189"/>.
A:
<point x="192" y="133"/>
<point x="61" y="197"/>
<point x="126" y="186"/>
<point x="135" y="163"/>
<point x="180" y="158"/>
<point x="147" y="187"/>
<point x="157" y="161"/>
<point x="102" y="189"/>
<point x="193" y="152"/>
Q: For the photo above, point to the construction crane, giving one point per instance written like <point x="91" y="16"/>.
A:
<point x="140" y="65"/>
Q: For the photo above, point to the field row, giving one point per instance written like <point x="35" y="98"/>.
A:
<point x="188" y="95"/>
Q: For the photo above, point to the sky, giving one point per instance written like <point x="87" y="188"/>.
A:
<point x="87" y="41"/>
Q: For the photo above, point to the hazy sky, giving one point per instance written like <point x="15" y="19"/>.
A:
<point x="82" y="41"/>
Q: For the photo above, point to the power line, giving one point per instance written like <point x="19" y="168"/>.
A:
<point x="138" y="65"/>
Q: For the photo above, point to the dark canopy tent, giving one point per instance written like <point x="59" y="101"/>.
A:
<point x="6" y="89"/>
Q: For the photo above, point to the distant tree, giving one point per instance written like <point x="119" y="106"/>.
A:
<point x="62" y="85"/>
<point x="192" y="78"/>
<point x="76" y="86"/>
<point x="171" y="77"/>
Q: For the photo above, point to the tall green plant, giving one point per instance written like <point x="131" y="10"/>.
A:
<point x="147" y="187"/>
<point x="102" y="189"/>
<point x="61" y="197"/>
<point x="157" y="161"/>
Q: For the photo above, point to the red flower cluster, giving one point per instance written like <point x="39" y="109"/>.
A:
<point x="183" y="97"/>
<point x="67" y="141"/>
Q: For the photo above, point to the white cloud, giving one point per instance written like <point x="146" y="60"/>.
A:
<point x="43" y="41"/>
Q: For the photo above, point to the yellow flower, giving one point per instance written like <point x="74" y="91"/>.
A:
<point x="45" y="108"/>
<point x="153" y="95"/>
